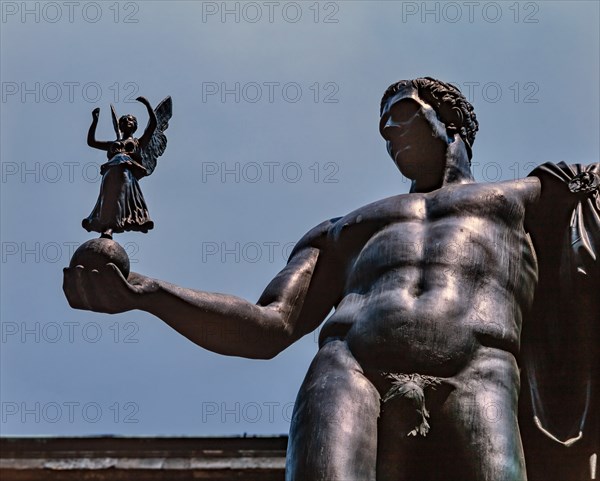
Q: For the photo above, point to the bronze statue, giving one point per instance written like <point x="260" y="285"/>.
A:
<point x="121" y="205"/>
<point x="417" y="376"/>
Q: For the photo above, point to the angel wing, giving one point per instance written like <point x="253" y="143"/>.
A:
<point x="158" y="143"/>
<point x="115" y="121"/>
<point x="560" y="342"/>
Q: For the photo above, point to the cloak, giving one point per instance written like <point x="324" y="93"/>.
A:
<point x="560" y="341"/>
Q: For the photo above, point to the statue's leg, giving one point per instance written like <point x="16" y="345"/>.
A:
<point x="333" y="435"/>
<point x="480" y="418"/>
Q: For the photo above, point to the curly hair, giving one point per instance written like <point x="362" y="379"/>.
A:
<point x="448" y="102"/>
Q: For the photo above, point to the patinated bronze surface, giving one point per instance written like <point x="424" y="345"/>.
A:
<point x="121" y="206"/>
<point x="417" y="375"/>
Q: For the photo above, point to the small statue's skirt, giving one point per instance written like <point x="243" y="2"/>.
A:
<point x="120" y="205"/>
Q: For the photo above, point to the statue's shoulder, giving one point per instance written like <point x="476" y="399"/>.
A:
<point x="381" y="209"/>
<point x="507" y="192"/>
<point x="369" y="218"/>
<point x="328" y="234"/>
<point x="527" y="189"/>
<point x="317" y="237"/>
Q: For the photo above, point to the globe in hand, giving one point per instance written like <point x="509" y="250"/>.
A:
<point x="96" y="253"/>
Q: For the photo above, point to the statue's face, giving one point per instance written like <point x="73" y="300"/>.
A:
<point x="128" y="124"/>
<point x="416" y="138"/>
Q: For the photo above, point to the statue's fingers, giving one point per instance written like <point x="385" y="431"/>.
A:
<point x="86" y="287"/>
<point x="104" y="289"/>
<point x="68" y="286"/>
<point x="114" y="282"/>
<point x="115" y="271"/>
<point x="99" y="291"/>
<point x="72" y="286"/>
<point x="115" y="288"/>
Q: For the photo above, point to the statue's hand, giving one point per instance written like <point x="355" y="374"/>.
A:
<point x="145" y="101"/>
<point x="105" y="290"/>
<point x="96" y="113"/>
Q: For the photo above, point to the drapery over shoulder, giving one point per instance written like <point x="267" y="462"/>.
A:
<point x="560" y="339"/>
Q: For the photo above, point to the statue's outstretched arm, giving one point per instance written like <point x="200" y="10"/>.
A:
<point x="91" y="138"/>
<point x="293" y="304"/>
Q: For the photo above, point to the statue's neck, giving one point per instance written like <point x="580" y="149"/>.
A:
<point x="456" y="169"/>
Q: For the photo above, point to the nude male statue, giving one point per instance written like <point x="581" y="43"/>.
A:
<point x="416" y="376"/>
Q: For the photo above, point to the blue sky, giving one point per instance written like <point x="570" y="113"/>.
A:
<point x="275" y="128"/>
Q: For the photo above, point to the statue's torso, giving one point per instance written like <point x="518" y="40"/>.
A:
<point x="431" y="277"/>
<point x="129" y="146"/>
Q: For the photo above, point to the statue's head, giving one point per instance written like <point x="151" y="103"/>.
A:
<point x="422" y="117"/>
<point x="128" y="124"/>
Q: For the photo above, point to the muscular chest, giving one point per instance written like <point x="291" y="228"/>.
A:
<point x="465" y="228"/>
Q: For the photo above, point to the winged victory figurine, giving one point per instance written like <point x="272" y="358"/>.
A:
<point x="121" y="206"/>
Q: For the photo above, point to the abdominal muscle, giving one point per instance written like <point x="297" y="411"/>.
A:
<point x="434" y="328"/>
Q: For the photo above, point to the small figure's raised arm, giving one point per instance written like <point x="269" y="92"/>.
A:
<point x="152" y="122"/>
<point x="91" y="138"/>
<point x="294" y="303"/>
